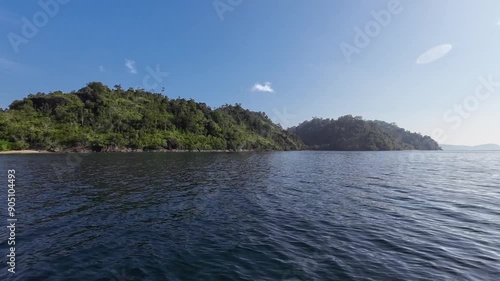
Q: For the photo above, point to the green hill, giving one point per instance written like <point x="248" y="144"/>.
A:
<point x="98" y="118"/>
<point x="354" y="133"/>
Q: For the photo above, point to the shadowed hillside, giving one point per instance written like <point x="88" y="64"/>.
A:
<point x="354" y="133"/>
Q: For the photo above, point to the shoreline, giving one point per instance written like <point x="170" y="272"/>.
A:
<point x="27" y="151"/>
<point x="115" y="151"/>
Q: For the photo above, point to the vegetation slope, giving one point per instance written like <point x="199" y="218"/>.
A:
<point x="98" y="118"/>
<point x="354" y="133"/>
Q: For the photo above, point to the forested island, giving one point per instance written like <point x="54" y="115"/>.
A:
<point x="349" y="133"/>
<point x="100" y="119"/>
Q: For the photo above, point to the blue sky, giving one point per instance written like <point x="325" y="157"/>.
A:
<point x="423" y="68"/>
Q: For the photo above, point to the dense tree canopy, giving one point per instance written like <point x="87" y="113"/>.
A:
<point x="98" y="118"/>
<point x="102" y="119"/>
<point x="354" y="133"/>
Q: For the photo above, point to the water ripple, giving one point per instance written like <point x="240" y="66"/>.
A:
<point x="258" y="216"/>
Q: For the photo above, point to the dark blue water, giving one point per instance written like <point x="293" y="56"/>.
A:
<point x="255" y="216"/>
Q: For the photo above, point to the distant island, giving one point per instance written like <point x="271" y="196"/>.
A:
<point x="483" y="147"/>
<point x="349" y="133"/>
<point x="97" y="118"/>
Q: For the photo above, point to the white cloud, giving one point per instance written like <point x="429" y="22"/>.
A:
<point x="266" y="87"/>
<point x="101" y="68"/>
<point x="434" y="54"/>
<point x="130" y="64"/>
<point x="13" y="67"/>
<point x="8" y="66"/>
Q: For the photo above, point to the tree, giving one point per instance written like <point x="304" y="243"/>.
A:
<point x="97" y="117"/>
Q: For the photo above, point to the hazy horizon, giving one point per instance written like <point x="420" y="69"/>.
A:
<point x="428" y="66"/>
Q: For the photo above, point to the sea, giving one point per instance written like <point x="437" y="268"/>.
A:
<point x="306" y="215"/>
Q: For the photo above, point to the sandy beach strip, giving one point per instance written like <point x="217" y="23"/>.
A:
<point x="24" y="152"/>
